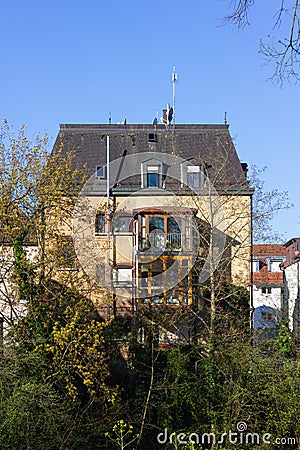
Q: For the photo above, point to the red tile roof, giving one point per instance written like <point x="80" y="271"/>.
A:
<point x="268" y="250"/>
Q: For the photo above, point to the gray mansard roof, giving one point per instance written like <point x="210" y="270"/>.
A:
<point x="210" y="146"/>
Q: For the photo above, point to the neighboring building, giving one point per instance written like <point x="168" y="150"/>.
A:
<point x="12" y="309"/>
<point x="291" y="298"/>
<point x="173" y="192"/>
<point x="267" y="279"/>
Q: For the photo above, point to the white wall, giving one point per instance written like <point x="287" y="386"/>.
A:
<point x="11" y="309"/>
<point x="292" y="284"/>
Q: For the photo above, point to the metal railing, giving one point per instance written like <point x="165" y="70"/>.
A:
<point x="162" y="241"/>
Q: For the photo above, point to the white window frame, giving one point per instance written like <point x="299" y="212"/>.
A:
<point x="98" y="167"/>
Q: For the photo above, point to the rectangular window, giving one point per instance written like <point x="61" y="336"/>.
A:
<point x="143" y="233"/>
<point x="121" y="222"/>
<point x="157" y="238"/>
<point x="193" y="176"/>
<point x="172" y="297"/>
<point x="152" y="179"/>
<point x="266" y="290"/>
<point x="100" y="171"/>
<point x="152" y="176"/>
<point x="100" y="223"/>
<point x="152" y="137"/>
<point x="174" y="233"/>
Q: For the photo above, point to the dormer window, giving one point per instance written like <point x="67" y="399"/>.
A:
<point x="193" y="176"/>
<point x="153" y="173"/>
<point x="152" y="176"/>
<point x="100" y="171"/>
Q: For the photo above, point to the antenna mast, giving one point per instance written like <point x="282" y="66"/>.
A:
<point x="174" y="79"/>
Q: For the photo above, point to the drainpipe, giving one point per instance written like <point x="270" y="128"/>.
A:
<point x="108" y="222"/>
<point x="251" y="271"/>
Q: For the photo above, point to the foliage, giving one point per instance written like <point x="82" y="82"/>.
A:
<point x="284" y="341"/>
<point x="33" y="416"/>
<point x="33" y="187"/>
<point x="61" y="335"/>
<point x="32" y="413"/>
<point x="121" y="434"/>
<point x="77" y="352"/>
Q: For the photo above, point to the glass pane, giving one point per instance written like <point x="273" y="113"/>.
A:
<point x="196" y="180"/>
<point x="120" y="223"/>
<point x="100" y="221"/>
<point x="156" y="233"/>
<point x="100" y="171"/>
<point x="152" y="179"/>
<point x="156" y="223"/>
<point x="188" y="233"/>
<point x="190" y="179"/>
<point x="174" y="233"/>
<point x="174" y="225"/>
<point x="193" y="179"/>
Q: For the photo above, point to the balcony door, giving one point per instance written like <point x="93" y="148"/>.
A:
<point x="159" y="232"/>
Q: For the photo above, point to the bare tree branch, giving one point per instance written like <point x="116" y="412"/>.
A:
<point x="284" y="51"/>
<point x="239" y="13"/>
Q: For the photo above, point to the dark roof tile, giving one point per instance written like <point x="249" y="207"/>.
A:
<point x="211" y="146"/>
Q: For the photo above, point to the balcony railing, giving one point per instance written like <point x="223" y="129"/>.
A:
<point x="158" y="241"/>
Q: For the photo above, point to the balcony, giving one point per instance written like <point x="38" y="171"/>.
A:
<point x="158" y="241"/>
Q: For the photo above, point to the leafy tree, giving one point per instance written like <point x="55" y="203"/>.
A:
<point x="45" y="301"/>
<point x="33" y="414"/>
<point x="33" y="187"/>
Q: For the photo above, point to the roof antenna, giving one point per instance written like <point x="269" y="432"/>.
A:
<point x="225" y="118"/>
<point x="174" y="79"/>
<point x="109" y="118"/>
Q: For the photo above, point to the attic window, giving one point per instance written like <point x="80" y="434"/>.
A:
<point x="193" y="176"/>
<point x="152" y="176"/>
<point x="100" y="171"/>
<point x="152" y="137"/>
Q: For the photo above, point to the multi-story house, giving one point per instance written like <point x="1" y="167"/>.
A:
<point x="291" y="297"/>
<point x="267" y="279"/>
<point x="164" y="209"/>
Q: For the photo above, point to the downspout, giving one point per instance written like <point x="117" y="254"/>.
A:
<point x="251" y="271"/>
<point x="108" y="221"/>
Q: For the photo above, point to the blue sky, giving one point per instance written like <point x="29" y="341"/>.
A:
<point x="74" y="62"/>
